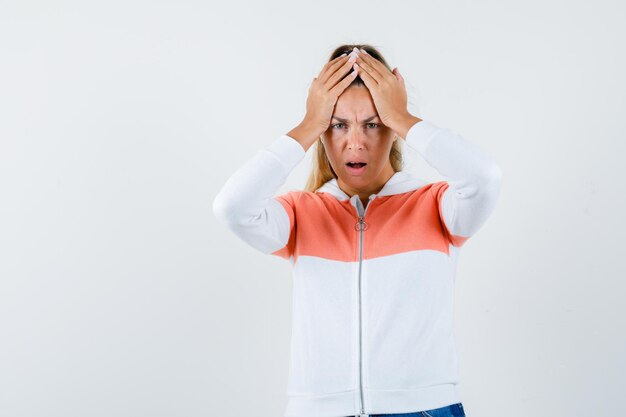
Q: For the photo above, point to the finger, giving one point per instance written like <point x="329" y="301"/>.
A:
<point x="399" y="76"/>
<point x="371" y="65"/>
<point x="328" y="64"/>
<point x="331" y="62"/>
<point x="369" y="81"/>
<point x="331" y="67"/>
<point x="343" y="84"/>
<point x="376" y="64"/>
<point x="367" y="67"/>
<point x="339" y="73"/>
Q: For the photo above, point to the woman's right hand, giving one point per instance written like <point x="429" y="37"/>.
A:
<point x="322" y="97"/>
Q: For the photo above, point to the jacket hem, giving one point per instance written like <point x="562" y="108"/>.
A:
<point x="377" y="401"/>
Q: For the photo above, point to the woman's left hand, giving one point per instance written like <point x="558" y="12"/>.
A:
<point x="387" y="89"/>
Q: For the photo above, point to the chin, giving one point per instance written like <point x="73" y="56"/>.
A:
<point x="356" y="181"/>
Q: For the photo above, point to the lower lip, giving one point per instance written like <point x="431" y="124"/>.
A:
<point x="356" y="171"/>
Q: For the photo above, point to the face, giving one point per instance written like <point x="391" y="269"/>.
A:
<point x="355" y="136"/>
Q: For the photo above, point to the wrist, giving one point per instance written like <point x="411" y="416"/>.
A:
<point x="305" y="134"/>
<point x="404" y="123"/>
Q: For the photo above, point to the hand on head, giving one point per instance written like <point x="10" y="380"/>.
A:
<point x="325" y="89"/>
<point x="386" y="87"/>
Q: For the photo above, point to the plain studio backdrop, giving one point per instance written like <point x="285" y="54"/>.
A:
<point x="121" y="294"/>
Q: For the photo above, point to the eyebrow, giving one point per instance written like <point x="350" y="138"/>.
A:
<point x="347" y="121"/>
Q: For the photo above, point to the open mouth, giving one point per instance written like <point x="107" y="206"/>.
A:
<point x="356" y="168"/>
<point x="356" y="164"/>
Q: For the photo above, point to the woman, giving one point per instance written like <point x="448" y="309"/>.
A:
<point x="373" y="248"/>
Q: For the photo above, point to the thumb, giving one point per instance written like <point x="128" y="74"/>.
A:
<point x="396" y="72"/>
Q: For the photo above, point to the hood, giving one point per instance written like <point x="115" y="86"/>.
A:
<point x="400" y="182"/>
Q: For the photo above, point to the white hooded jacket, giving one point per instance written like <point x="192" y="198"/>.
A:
<point x="373" y="287"/>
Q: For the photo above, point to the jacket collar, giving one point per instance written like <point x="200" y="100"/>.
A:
<point x="400" y="182"/>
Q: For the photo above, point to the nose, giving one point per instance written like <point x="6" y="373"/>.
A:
<point x="355" y="140"/>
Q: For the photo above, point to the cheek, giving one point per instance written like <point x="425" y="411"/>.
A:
<point x="332" y="154"/>
<point x="381" y="155"/>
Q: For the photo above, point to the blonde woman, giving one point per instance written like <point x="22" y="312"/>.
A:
<point x="373" y="247"/>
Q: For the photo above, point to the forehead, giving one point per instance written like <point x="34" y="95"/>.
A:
<point x="355" y="103"/>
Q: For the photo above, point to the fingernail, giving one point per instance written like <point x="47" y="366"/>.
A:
<point x="364" y="51"/>
<point x="352" y="57"/>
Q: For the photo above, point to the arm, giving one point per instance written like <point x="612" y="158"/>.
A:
<point x="471" y="191"/>
<point x="247" y="203"/>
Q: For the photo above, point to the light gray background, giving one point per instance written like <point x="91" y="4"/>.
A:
<point x="120" y="293"/>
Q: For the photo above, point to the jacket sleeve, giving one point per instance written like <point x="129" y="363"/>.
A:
<point x="247" y="203"/>
<point x="469" y="194"/>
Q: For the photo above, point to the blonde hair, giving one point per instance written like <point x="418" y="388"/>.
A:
<point x="321" y="170"/>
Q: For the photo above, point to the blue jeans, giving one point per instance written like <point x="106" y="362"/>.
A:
<point x="452" y="410"/>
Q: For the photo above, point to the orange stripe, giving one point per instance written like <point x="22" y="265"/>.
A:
<point x="325" y="226"/>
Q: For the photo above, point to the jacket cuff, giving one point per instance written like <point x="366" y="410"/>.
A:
<point x="288" y="151"/>
<point x="421" y="134"/>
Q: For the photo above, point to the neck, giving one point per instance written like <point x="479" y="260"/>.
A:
<point x="373" y="188"/>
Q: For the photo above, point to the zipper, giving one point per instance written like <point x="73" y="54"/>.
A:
<point x="360" y="226"/>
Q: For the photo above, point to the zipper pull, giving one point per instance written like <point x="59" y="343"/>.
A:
<point x="360" y="225"/>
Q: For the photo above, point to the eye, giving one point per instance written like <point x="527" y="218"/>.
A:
<point x="375" y="125"/>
